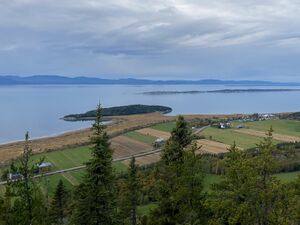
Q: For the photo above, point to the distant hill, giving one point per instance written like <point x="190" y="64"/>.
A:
<point x="223" y="91"/>
<point x="120" y="111"/>
<point x="62" y="80"/>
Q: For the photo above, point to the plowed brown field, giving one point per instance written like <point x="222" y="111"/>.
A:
<point x="125" y="146"/>
<point x="145" y="160"/>
<point x="155" y="133"/>
<point x="212" y="146"/>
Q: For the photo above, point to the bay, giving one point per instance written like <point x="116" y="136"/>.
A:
<point x="38" y="109"/>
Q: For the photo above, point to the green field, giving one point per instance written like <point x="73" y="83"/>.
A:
<point x="64" y="159"/>
<point x="287" y="127"/>
<point x="148" y="139"/>
<point x="167" y="127"/>
<point x="288" y="177"/>
<point x="228" y="136"/>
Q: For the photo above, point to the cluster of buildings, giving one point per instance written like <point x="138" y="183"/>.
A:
<point x="42" y="167"/>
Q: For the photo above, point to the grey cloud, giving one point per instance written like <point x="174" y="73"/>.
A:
<point x="170" y="38"/>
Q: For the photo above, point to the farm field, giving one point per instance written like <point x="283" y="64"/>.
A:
<point x="148" y="139"/>
<point x="156" y="133"/>
<point x="145" y="160"/>
<point x="276" y="136"/>
<point x="167" y="127"/>
<point x="212" y="146"/>
<point x="209" y="146"/>
<point x="286" y="127"/>
<point x="126" y="146"/>
<point x="72" y="157"/>
<point x="253" y="133"/>
<point x="229" y="136"/>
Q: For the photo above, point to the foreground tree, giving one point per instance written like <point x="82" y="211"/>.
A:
<point x="129" y="196"/>
<point x="249" y="193"/>
<point x="59" y="205"/>
<point x="95" y="200"/>
<point x="24" y="202"/>
<point x="179" y="180"/>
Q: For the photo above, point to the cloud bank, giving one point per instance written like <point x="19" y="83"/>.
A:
<point x="166" y="39"/>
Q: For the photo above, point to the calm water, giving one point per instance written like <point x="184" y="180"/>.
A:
<point x="38" y="109"/>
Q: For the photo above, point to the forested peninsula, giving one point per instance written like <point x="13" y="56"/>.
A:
<point x="119" y="111"/>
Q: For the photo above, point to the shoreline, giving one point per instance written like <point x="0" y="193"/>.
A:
<point x="120" y="125"/>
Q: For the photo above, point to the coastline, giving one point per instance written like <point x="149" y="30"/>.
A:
<point x="120" y="125"/>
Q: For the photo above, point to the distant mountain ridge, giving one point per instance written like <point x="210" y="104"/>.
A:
<point x="62" y="80"/>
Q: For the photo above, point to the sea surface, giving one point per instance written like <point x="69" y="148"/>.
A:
<point x="39" y="109"/>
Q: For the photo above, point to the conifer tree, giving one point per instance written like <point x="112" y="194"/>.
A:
<point x="60" y="204"/>
<point x="181" y="137"/>
<point x="28" y="205"/>
<point x="133" y="188"/>
<point x="129" y="193"/>
<point x="95" y="200"/>
<point x="249" y="193"/>
<point x="178" y="173"/>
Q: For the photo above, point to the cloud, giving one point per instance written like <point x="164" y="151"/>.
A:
<point x="162" y="38"/>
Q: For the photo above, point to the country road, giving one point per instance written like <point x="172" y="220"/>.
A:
<point x="83" y="166"/>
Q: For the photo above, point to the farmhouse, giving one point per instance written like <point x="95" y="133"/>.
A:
<point x="224" y="125"/>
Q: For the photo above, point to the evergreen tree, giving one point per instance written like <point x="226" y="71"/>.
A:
<point x="24" y="200"/>
<point x="6" y="211"/>
<point x="179" y="181"/>
<point x="129" y="199"/>
<point x="249" y="193"/>
<point x="95" y="200"/>
<point x="181" y="137"/>
<point x="59" y="205"/>
<point x="133" y="189"/>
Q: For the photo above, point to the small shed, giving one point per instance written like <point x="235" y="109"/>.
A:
<point x="44" y="166"/>
<point x="14" y="176"/>
<point x="159" y="142"/>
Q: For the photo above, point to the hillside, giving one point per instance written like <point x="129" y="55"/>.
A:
<point x="63" y="80"/>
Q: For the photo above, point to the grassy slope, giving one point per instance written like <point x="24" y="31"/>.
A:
<point x="167" y="127"/>
<point x="228" y="136"/>
<point x="148" y="139"/>
<point x="288" y="127"/>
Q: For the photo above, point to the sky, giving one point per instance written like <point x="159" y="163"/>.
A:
<point x="153" y="39"/>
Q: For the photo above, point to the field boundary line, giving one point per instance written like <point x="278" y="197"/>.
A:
<point x="84" y="166"/>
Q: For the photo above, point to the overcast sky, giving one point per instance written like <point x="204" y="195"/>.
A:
<point x="158" y="39"/>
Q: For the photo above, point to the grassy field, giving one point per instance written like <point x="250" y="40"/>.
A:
<point x="228" y="136"/>
<point x="288" y="177"/>
<point x="167" y="127"/>
<point x="288" y="127"/>
<point x="148" y="139"/>
<point x="64" y="159"/>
